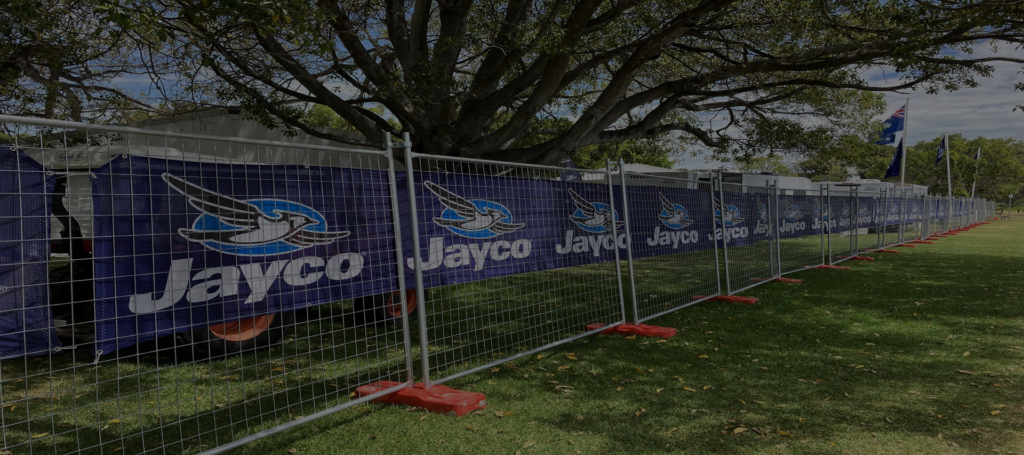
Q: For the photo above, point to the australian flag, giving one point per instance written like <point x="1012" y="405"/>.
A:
<point x="897" y="159"/>
<point x="943" y="148"/>
<point x="892" y="125"/>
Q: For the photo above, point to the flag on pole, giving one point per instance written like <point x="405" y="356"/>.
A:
<point x="893" y="124"/>
<point x="894" y="165"/>
<point x="943" y="147"/>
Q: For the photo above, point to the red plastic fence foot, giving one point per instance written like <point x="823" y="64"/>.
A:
<point x="937" y="236"/>
<point x="788" y="280"/>
<point x="922" y="241"/>
<point x="736" y="298"/>
<point x="887" y="251"/>
<point x="698" y="297"/>
<point x="643" y="330"/>
<point x="862" y="258"/>
<point x="906" y="246"/>
<point x="439" y="399"/>
<point x="833" y="267"/>
<point x="635" y="329"/>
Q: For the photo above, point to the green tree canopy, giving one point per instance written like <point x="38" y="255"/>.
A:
<point x="472" y="78"/>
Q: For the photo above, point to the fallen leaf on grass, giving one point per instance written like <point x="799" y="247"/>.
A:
<point x="564" y="367"/>
<point x="528" y="444"/>
<point x="40" y="435"/>
<point x="801" y="419"/>
<point x="741" y="401"/>
<point x="964" y="372"/>
<point x="689" y="389"/>
<point x="702" y="357"/>
<point x="674" y="429"/>
<point x="707" y="387"/>
<point x="502" y="414"/>
<point x="739" y="430"/>
<point x="640" y="412"/>
<point x="995" y="413"/>
<point x="967" y="354"/>
<point x="785" y="433"/>
<point x="659" y="390"/>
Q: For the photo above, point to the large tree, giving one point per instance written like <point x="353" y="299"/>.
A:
<point x="476" y="78"/>
<point x="61" y="59"/>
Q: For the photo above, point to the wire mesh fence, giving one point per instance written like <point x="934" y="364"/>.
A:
<point x="893" y="219"/>
<point x="518" y="258"/>
<point x="841" y="241"/>
<point x="745" y="225"/>
<point x="169" y="292"/>
<point x="801" y="216"/>
<point x="194" y="291"/>
<point x="674" y="261"/>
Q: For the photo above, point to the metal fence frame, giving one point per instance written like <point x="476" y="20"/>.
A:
<point x="762" y="260"/>
<point x="285" y="365"/>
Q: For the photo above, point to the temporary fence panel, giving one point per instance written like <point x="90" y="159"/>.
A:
<point x="512" y="259"/>
<point x="801" y="219"/>
<point x="913" y="216"/>
<point x="893" y="218"/>
<point x="869" y="205"/>
<point x="198" y="297"/>
<point x="673" y="257"/>
<point x="842" y="230"/>
<point x="744" y="220"/>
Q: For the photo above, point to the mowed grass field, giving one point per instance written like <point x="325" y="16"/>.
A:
<point x="917" y="352"/>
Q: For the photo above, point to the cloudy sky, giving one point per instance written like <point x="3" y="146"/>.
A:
<point x="983" y="111"/>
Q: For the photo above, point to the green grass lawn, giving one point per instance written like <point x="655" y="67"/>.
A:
<point x="913" y="353"/>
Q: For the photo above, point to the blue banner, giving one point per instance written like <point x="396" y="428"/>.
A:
<point x="184" y="244"/>
<point x="799" y="216"/>
<point x="26" y="326"/>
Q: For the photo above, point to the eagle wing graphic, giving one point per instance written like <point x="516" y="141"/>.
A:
<point x="232" y="211"/>
<point x="460" y="205"/>
<point x="667" y="206"/>
<point x="585" y="206"/>
<point x="504" y="228"/>
<point x="305" y="238"/>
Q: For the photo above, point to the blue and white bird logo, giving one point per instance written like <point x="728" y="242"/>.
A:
<point x="762" y="212"/>
<point x="894" y="209"/>
<point x="596" y="217"/>
<point x="863" y="210"/>
<point x="255" y="227"/>
<point x="672" y="215"/>
<point x="731" y="217"/>
<point x="474" y="219"/>
<point x="792" y="211"/>
<point x="845" y="212"/>
<point x="823" y="211"/>
<point x="914" y="208"/>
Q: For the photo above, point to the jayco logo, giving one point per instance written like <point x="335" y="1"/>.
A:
<point x="792" y="212"/>
<point x="762" y="227"/>
<point x="595" y="218"/>
<point x="822" y="211"/>
<point x="471" y="219"/>
<point x="728" y="216"/>
<point x="894" y="212"/>
<point x="675" y="217"/>
<point x="792" y="215"/>
<point x="257" y="227"/>
<point x="822" y="216"/>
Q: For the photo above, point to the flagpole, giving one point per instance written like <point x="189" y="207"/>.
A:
<point x="974" y="184"/>
<point x="903" y="159"/>
<point x="949" y="175"/>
